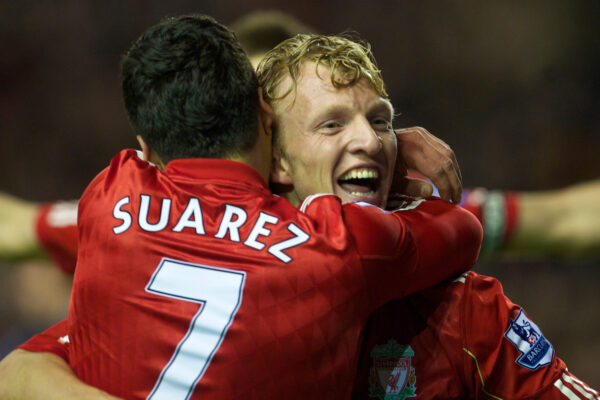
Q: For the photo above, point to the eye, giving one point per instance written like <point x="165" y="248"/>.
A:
<point x="330" y="127"/>
<point x="381" y="124"/>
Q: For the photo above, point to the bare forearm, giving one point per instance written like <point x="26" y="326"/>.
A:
<point x="29" y="375"/>
<point x="562" y="222"/>
<point x="17" y="232"/>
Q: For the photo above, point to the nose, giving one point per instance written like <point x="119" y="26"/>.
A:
<point x="364" y="139"/>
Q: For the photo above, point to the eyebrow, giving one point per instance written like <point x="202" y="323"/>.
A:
<point x="383" y="105"/>
<point x="331" y="111"/>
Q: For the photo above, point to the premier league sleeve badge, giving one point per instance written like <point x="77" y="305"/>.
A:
<point x="536" y="350"/>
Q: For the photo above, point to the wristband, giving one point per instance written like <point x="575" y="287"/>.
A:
<point x="497" y="211"/>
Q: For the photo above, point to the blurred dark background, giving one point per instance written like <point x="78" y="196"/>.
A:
<point x="513" y="87"/>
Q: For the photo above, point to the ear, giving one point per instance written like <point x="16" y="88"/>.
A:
<point x="280" y="169"/>
<point x="267" y="115"/>
<point x="149" y="154"/>
<point x="146" y="151"/>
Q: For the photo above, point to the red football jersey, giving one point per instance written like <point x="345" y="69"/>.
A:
<point x="199" y="283"/>
<point x="56" y="231"/>
<point x="421" y="350"/>
<point x="461" y="340"/>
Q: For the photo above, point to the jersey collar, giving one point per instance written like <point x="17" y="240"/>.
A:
<point x="214" y="169"/>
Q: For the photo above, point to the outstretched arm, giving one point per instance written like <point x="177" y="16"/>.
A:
<point x="562" y="222"/>
<point x="31" y="230"/>
<point x="17" y="229"/>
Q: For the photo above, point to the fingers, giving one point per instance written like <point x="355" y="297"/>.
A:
<point x="444" y="149"/>
<point x="413" y="187"/>
<point x="420" y="150"/>
<point x="445" y="177"/>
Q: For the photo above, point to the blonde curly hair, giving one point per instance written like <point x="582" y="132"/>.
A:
<point x="348" y="59"/>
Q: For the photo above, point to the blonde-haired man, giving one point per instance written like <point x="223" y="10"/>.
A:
<point x="462" y="339"/>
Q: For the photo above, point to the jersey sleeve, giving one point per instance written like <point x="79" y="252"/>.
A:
<point x="506" y="354"/>
<point x="56" y="230"/>
<point x="53" y="340"/>
<point x="414" y="247"/>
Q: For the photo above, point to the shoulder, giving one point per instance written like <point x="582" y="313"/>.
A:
<point x="123" y="166"/>
<point x="503" y="345"/>
<point x="484" y="296"/>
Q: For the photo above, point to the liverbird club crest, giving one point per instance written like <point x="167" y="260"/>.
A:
<point x="392" y="375"/>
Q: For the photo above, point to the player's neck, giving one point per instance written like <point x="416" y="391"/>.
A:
<point x="258" y="156"/>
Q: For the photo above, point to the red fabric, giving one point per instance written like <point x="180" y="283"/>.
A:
<point x="52" y="340"/>
<point x="437" y="324"/>
<point x="56" y="229"/>
<point x="302" y="309"/>
<point x="457" y="333"/>
<point x="512" y="214"/>
<point x="472" y="200"/>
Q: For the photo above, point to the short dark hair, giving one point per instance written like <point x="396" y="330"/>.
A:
<point x="190" y="90"/>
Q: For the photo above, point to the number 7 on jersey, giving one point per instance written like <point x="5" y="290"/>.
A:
<point x="219" y="291"/>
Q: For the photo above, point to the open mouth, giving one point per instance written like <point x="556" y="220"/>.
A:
<point x="360" y="182"/>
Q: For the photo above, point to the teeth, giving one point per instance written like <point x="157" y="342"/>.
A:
<point x="361" y="174"/>
<point x="371" y="193"/>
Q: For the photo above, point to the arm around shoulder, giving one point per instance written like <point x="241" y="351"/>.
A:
<point x="31" y="375"/>
<point x="447" y="240"/>
<point x="419" y="244"/>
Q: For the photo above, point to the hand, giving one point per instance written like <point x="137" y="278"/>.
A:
<point x="420" y="150"/>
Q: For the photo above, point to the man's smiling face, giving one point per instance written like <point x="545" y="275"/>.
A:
<point x="333" y="140"/>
